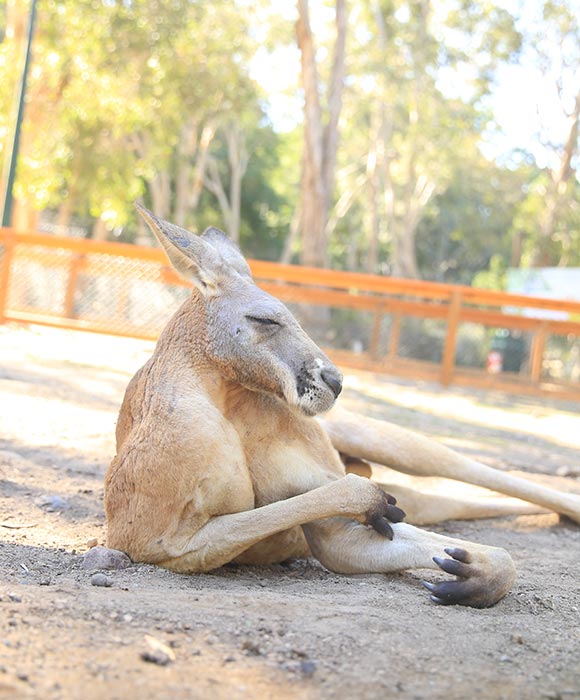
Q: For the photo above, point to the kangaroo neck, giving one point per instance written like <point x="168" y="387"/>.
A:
<point x="186" y="333"/>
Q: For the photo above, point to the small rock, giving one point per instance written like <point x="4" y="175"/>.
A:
<point x="104" y="558"/>
<point x="92" y="542"/>
<point x="307" y="667"/>
<point x="14" y="598"/>
<point x="52" y="503"/>
<point x="251" y="649"/>
<point x="101" y="580"/>
<point x="157" y="652"/>
<point x="504" y="659"/>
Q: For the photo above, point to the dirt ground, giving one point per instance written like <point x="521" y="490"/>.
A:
<point x="283" y="631"/>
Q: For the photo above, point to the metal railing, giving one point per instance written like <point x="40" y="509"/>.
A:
<point x="412" y="328"/>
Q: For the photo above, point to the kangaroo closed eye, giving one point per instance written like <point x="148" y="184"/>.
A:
<point x="263" y="321"/>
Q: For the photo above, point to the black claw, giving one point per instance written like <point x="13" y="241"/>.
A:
<point x="451" y="591"/>
<point x="439" y="601"/>
<point x="459" y="554"/>
<point x="446" y="592"/>
<point x="394" y="514"/>
<point x="379" y="523"/>
<point x="391" y="500"/>
<point x="451" y="566"/>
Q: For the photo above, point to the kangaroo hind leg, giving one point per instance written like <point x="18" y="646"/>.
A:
<point x="483" y="574"/>
<point x="411" y="453"/>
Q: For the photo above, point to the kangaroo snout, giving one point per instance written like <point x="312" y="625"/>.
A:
<point x="333" y="380"/>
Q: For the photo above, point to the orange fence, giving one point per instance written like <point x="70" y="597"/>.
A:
<point x="132" y="291"/>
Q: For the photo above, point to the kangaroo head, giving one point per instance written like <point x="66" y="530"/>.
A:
<point x="252" y="338"/>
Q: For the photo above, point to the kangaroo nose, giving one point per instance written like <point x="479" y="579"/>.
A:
<point x="332" y="381"/>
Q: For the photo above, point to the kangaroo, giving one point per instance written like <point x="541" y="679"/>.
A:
<point x="225" y="454"/>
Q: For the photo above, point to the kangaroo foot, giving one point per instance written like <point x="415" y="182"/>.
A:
<point x="481" y="579"/>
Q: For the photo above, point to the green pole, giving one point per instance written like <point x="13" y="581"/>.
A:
<point x="12" y="157"/>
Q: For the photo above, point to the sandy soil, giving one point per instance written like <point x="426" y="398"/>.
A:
<point x="284" y="631"/>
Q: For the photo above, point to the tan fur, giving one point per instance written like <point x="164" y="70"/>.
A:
<point x="219" y="458"/>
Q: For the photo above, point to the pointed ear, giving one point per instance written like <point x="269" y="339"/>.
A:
<point x="228" y="250"/>
<point x="194" y="259"/>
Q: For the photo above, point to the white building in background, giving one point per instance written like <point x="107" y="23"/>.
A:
<point x="547" y="282"/>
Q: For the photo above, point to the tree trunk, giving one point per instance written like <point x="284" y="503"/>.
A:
<point x="100" y="231"/>
<point x="186" y="149"/>
<point x="231" y="202"/>
<point x="556" y="196"/>
<point x="63" y="216"/>
<point x="206" y="138"/>
<point x="320" y="143"/>
<point x="291" y="238"/>
<point x="372" y="176"/>
<point x="238" y="160"/>
<point x="161" y="194"/>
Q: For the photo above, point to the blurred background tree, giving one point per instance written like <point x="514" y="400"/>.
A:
<point x="386" y="158"/>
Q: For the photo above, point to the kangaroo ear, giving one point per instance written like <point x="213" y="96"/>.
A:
<point x="194" y="259"/>
<point x="228" y="250"/>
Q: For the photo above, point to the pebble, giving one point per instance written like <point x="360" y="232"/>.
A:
<point x="157" y="652"/>
<point x="101" y="580"/>
<point x="104" y="558"/>
<point x="252" y="649"/>
<point x="52" y="503"/>
<point x="307" y="667"/>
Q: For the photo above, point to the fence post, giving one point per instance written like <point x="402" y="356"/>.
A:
<point x="77" y="262"/>
<point x="394" y="336"/>
<point x="448" y="361"/>
<point x="5" y="269"/>
<point x="376" y="333"/>
<point x="537" y="353"/>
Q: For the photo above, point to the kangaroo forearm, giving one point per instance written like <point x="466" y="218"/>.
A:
<point x="225" y="537"/>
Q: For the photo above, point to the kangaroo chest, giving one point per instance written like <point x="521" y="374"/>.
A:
<point x="288" y="457"/>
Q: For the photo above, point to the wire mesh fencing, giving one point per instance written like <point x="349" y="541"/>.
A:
<point x="407" y="327"/>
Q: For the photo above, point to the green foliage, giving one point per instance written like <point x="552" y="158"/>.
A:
<point x="468" y="227"/>
<point x="120" y="93"/>
<point x="415" y="96"/>
<point x="564" y="243"/>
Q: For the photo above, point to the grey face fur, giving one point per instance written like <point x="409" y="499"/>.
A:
<point x="251" y="336"/>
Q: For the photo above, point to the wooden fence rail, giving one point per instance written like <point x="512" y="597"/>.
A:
<point x="80" y="263"/>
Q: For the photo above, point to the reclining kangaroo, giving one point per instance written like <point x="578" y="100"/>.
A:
<point x="220" y="458"/>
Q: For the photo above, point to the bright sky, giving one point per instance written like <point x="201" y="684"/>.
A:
<point x="524" y="102"/>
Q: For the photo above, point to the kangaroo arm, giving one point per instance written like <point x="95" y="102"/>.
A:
<point x="225" y="537"/>
<point x="411" y="453"/>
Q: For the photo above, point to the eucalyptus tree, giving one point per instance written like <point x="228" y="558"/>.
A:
<point x="322" y="107"/>
<point x="550" y="216"/>
<point x="125" y="101"/>
<point x="420" y="72"/>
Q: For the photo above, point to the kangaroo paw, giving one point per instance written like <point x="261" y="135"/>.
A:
<point x="481" y="579"/>
<point x="384" y="514"/>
